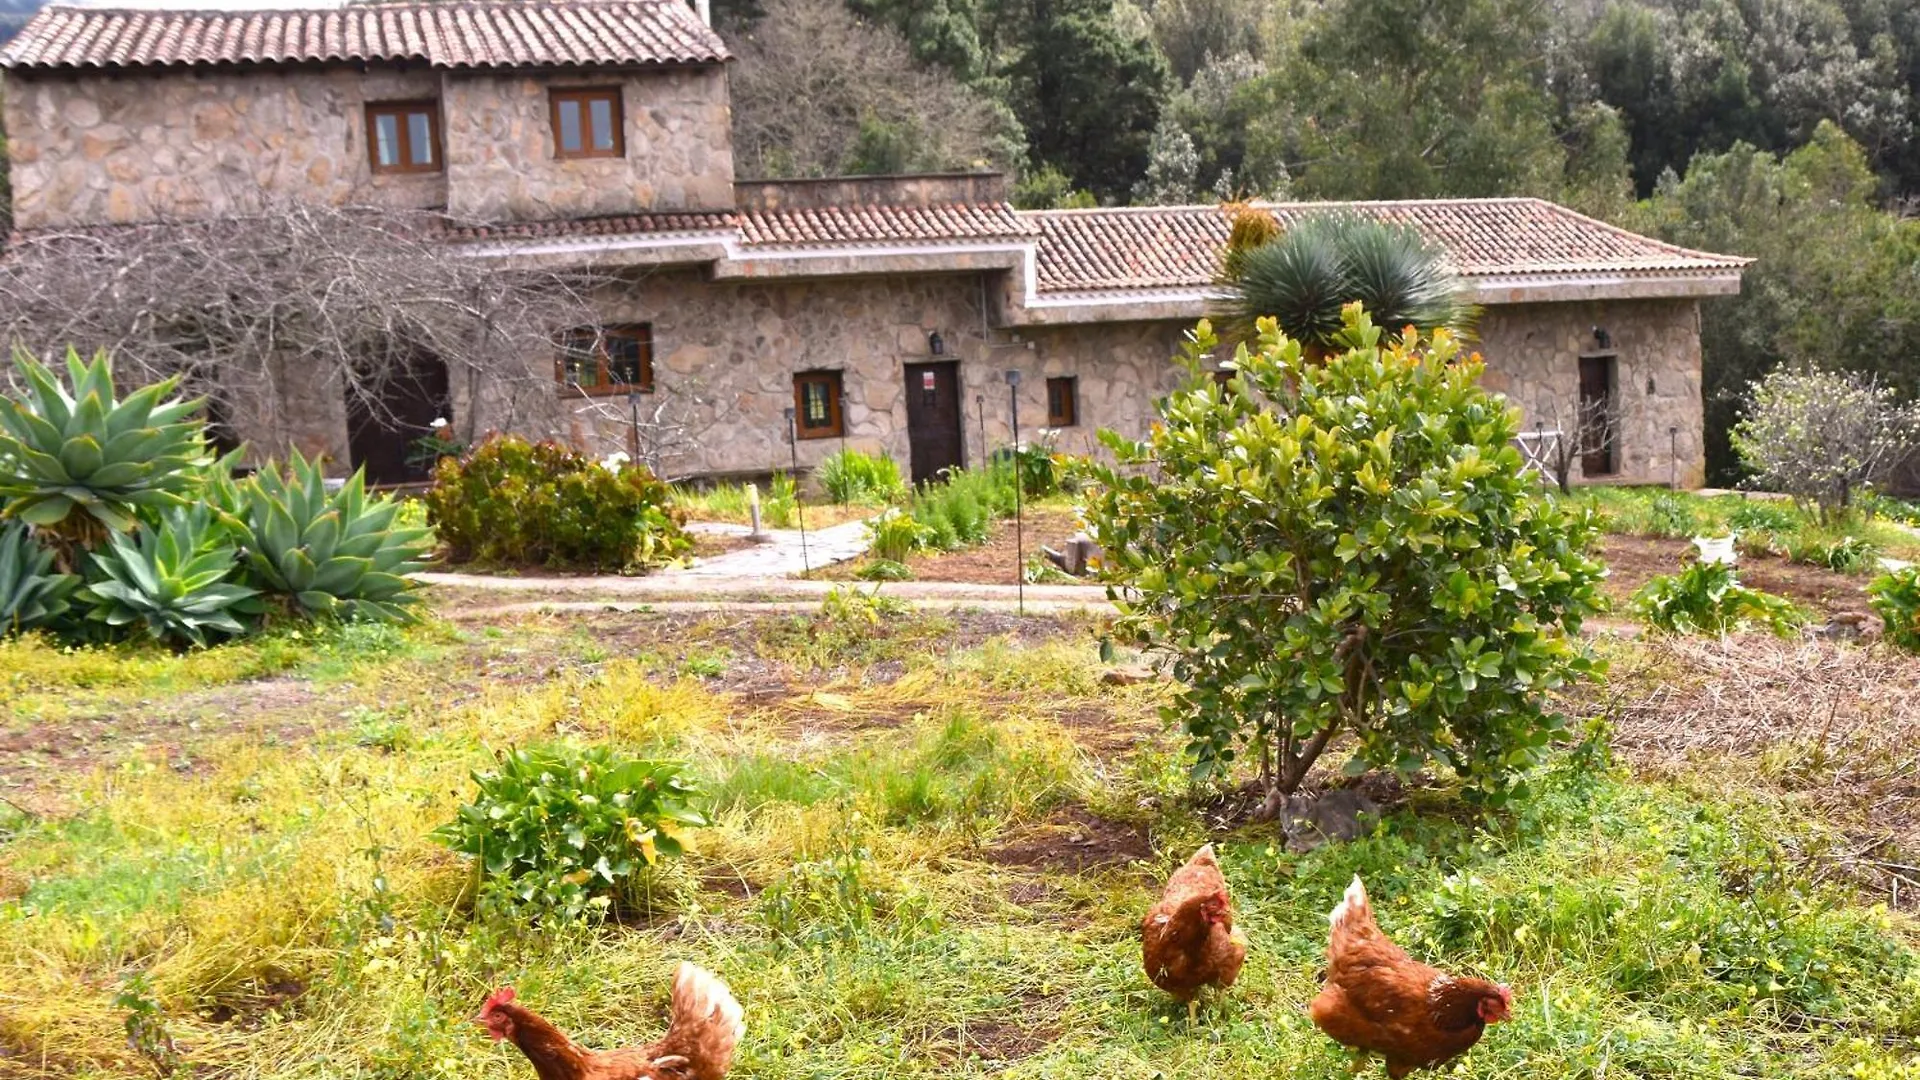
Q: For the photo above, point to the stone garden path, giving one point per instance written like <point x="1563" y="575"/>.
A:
<point x="786" y="553"/>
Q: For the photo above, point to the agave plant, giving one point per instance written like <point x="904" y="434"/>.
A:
<point x="81" y="464"/>
<point x="31" y="593"/>
<point x="332" y="554"/>
<point x="171" y="580"/>
<point x="1304" y="276"/>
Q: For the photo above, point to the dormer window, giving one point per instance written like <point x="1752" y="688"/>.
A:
<point x="586" y="123"/>
<point x="404" y="136"/>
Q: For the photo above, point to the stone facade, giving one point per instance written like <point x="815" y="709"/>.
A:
<point x="725" y="354"/>
<point x="136" y="146"/>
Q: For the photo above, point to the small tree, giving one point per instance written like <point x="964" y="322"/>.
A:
<point x="1821" y="436"/>
<point x="1346" y="546"/>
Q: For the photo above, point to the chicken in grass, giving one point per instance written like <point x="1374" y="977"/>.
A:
<point x="1187" y="940"/>
<point x="698" y="1045"/>
<point x="1379" y="1000"/>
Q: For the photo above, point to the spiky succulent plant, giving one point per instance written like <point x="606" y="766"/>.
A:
<point x="83" y="463"/>
<point x="331" y="553"/>
<point x="171" y="581"/>
<point x="32" y="594"/>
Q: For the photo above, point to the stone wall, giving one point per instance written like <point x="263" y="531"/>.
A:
<point x="129" y="147"/>
<point x="501" y="164"/>
<point x="1533" y="350"/>
<point x="725" y="355"/>
<point x="115" y="148"/>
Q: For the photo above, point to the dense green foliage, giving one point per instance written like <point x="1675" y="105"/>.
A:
<point x="852" y="476"/>
<point x="1895" y="597"/>
<point x="960" y="510"/>
<point x="83" y="461"/>
<point x="1346" y="546"/>
<point x="518" y="503"/>
<point x="32" y="592"/>
<point x="173" y="580"/>
<point x="568" y="829"/>
<point x="1706" y="598"/>
<point x="339" y="553"/>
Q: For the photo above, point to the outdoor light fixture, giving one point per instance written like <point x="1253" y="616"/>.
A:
<point x="935" y="344"/>
<point x="1602" y="338"/>
<point x="1013" y="377"/>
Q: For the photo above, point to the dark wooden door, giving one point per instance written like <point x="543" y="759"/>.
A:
<point x="933" y="418"/>
<point x="380" y="436"/>
<point x="1595" y="425"/>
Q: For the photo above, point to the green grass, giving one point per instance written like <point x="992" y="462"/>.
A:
<point x="1762" y="526"/>
<point x="849" y="894"/>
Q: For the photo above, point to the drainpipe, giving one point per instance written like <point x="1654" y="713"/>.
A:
<point x="705" y="8"/>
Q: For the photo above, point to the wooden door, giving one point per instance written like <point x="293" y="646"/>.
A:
<point x="380" y="438"/>
<point x="1595" y="425"/>
<point x="933" y="418"/>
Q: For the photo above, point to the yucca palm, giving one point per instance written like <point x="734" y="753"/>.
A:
<point x="1305" y="275"/>
<point x="81" y="464"/>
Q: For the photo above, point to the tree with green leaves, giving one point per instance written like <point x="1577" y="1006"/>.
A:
<point x="1086" y="90"/>
<point x="1347" y="547"/>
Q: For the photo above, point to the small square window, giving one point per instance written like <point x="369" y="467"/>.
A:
<point x="404" y="137"/>
<point x="611" y="360"/>
<point x="1063" y="401"/>
<point x="586" y="123"/>
<point x="816" y="404"/>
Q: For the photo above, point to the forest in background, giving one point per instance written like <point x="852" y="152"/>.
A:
<point x="1777" y="129"/>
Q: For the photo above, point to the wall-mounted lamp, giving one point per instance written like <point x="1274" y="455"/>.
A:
<point x="1602" y="338"/>
<point x="935" y="344"/>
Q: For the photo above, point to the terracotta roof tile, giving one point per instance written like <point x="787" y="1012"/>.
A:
<point x="475" y="34"/>
<point x="884" y="224"/>
<point x="1179" y="246"/>
<point x="613" y="225"/>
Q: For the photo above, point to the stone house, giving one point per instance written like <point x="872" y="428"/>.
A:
<point x="887" y="313"/>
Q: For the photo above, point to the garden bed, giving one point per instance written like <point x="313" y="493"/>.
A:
<point x="1634" y="560"/>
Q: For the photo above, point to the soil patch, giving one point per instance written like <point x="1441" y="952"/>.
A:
<point x="991" y="563"/>
<point x="1633" y="560"/>
<point x="1074" y="839"/>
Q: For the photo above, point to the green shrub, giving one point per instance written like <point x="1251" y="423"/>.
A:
<point x="884" y="570"/>
<point x="782" y="507"/>
<point x="1847" y="554"/>
<point x="568" y="830"/>
<point x="1895" y="597"/>
<point x="1705" y="598"/>
<point x="85" y="463"/>
<point x="1823" y="437"/>
<point x="329" y="554"/>
<point x="32" y="593"/>
<point x="1347" y="546"/>
<point x="171" y="581"/>
<point x="1671" y="514"/>
<point x="1034" y="463"/>
<point x="960" y="510"/>
<point x="896" y="535"/>
<point x="851" y="476"/>
<point x="514" y="502"/>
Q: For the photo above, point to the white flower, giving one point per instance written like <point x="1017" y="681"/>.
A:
<point x="612" y="462"/>
<point x="438" y="423"/>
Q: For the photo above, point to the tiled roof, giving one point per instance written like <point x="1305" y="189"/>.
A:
<point x="486" y="34"/>
<point x="1179" y="246"/>
<point x="616" y="225"/>
<point x="883" y="224"/>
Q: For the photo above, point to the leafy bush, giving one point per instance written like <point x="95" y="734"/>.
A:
<point x="1895" y="597"/>
<point x="519" y="503"/>
<point x="851" y="476"/>
<point x="884" y="570"/>
<point x="1847" y="554"/>
<point x="32" y="593"/>
<point x="896" y="535"/>
<point x="1346" y="546"/>
<point x="85" y="463"/>
<point x="782" y="506"/>
<point x="1705" y="598"/>
<point x="331" y="554"/>
<point x="171" y="581"/>
<point x="1823" y="436"/>
<point x="961" y="509"/>
<point x="569" y="829"/>
<point x="1035" y="465"/>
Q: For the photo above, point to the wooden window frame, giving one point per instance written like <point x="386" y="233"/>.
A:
<point x="1070" y="385"/>
<point x="606" y="387"/>
<point x="585" y="95"/>
<point x="403" y="110"/>
<point x="836" y="389"/>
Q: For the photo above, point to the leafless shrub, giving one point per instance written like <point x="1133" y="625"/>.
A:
<point x="257" y="311"/>
<point x="1822" y="436"/>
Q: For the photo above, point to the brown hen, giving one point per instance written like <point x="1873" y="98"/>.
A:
<point x="1379" y="1000"/>
<point x="698" y="1045"/>
<point x="1187" y="940"/>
